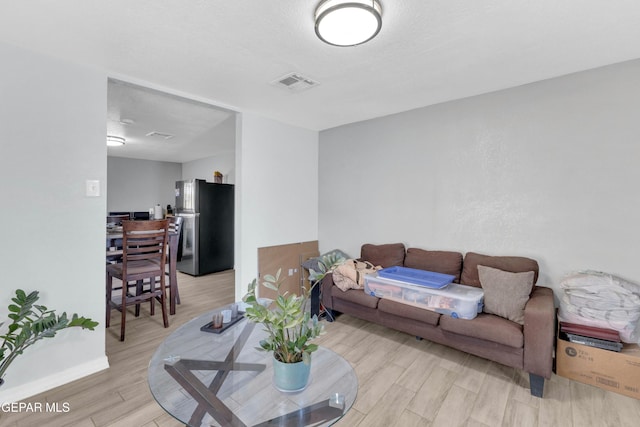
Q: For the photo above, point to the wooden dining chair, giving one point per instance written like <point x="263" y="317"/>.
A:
<point x="117" y="219"/>
<point x="175" y="226"/>
<point x="175" y="229"/>
<point x="144" y="256"/>
<point x="114" y="246"/>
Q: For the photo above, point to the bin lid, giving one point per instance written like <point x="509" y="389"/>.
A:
<point x="430" y="279"/>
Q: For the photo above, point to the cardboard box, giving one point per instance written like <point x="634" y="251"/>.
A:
<point x="609" y="370"/>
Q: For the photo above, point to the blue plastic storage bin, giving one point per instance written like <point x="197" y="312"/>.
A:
<point x="417" y="277"/>
<point x="458" y="301"/>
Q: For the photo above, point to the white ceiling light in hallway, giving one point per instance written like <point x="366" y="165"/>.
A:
<point x="115" y="141"/>
<point x="348" y="22"/>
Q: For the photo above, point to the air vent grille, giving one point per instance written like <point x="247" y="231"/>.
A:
<point x="294" y="82"/>
<point x="162" y="135"/>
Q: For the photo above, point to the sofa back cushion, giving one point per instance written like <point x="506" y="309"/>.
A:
<point x="387" y="255"/>
<point x="445" y="262"/>
<point x="514" y="264"/>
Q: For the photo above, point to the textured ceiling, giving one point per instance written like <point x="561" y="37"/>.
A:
<point x="427" y="51"/>
<point x="162" y="127"/>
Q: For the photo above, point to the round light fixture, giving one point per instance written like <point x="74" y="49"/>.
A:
<point x="348" y="22"/>
<point x="114" y="141"/>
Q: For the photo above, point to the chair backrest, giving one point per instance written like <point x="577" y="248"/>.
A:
<point x="144" y="241"/>
<point x="175" y="224"/>
<point x="116" y="219"/>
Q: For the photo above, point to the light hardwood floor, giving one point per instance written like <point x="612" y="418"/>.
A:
<point x="402" y="381"/>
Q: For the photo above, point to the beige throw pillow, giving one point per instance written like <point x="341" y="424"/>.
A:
<point x="505" y="293"/>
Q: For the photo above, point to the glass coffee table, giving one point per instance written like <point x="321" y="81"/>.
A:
<point x="220" y="379"/>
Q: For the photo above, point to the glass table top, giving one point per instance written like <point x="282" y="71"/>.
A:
<point x="209" y="379"/>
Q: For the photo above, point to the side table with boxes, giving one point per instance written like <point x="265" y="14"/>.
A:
<point x="599" y="332"/>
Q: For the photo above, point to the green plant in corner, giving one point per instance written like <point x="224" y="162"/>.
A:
<point x="31" y="323"/>
<point x="326" y="264"/>
<point x="289" y="325"/>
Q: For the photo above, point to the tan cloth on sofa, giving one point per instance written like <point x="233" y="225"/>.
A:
<point x="350" y="274"/>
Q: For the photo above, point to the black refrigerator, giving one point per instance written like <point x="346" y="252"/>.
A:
<point x="207" y="227"/>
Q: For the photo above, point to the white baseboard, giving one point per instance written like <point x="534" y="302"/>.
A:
<point x="24" y="391"/>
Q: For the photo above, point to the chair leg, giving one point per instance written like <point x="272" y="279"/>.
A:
<point x="139" y="291"/>
<point x="152" y="289"/>
<point x="108" y="298"/>
<point x="123" y="307"/>
<point x="163" y="302"/>
<point x="173" y="294"/>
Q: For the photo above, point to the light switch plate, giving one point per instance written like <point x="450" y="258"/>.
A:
<point x="93" y="188"/>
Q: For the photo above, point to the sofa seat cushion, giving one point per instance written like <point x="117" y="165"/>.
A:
<point x="487" y="327"/>
<point x="388" y="255"/>
<point x="514" y="264"/>
<point x="356" y="296"/>
<point x="445" y="262"/>
<point x="405" y="310"/>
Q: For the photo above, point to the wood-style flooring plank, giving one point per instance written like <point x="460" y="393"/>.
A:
<point x="473" y="373"/>
<point x="376" y="387"/>
<point x="428" y="399"/>
<point x="489" y="408"/>
<point x="587" y="406"/>
<point x="623" y="409"/>
<point x="388" y="411"/>
<point x="555" y="408"/>
<point x="451" y="413"/>
<point x="411" y="419"/>
<point x="520" y="414"/>
<point x="412" y="349"/>
<point x="418" y="372"/>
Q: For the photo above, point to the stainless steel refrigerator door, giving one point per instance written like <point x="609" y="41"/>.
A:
<point x="190" y="243"/>
<point x="186" y="196"/>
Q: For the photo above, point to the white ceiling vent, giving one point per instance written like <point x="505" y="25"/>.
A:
<point x="294" y="82"/>
<point x="162" y="135"/>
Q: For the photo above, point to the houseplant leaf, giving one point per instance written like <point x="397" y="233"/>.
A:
<point x="31" y="323"/>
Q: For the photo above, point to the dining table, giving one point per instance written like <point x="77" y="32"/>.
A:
<point x="115" y="233"/>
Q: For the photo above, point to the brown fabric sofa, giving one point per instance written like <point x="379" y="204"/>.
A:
<point x="528" y="347"/>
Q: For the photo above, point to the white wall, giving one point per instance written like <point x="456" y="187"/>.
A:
<point x="224" y="138"/>
<point x="276" y="190"/>
<point x="547" y="170"/>
<point x="53" y="126"/>
<point x="225" y="163"/>
<point x="53" y="121"/>
<point x="137" y="185"/>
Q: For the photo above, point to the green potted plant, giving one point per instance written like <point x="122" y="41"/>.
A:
<point x="290" y="330"/>
<point x="325" y="265"/>
<point x="30" y="323"/>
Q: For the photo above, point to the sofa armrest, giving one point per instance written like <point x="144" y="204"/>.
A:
<point x="539" y="332"/>
<point x="325" y="291"/>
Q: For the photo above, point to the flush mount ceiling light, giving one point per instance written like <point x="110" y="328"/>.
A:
<point x="348" y="22"/>
<point x="114" y="141"/>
